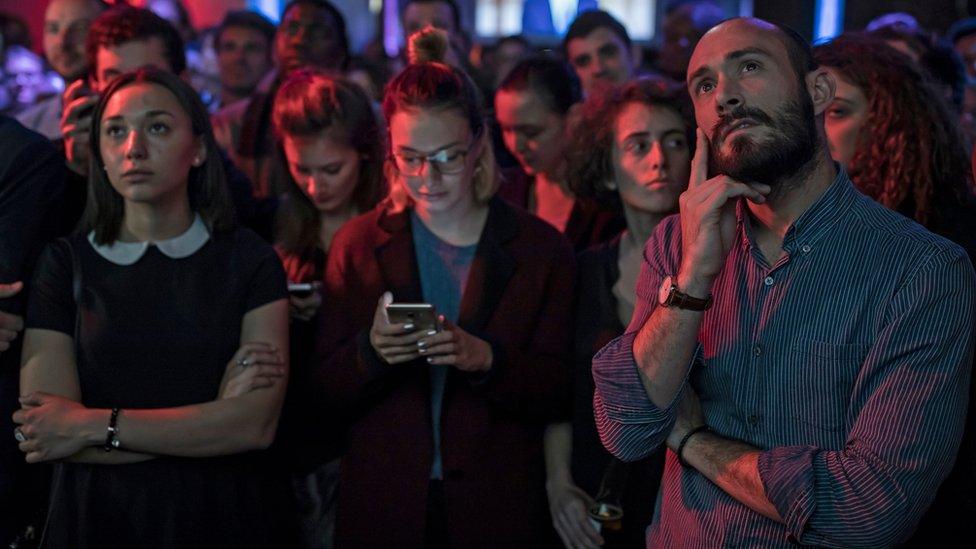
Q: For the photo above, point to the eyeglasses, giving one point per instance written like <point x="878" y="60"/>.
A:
<point x="446" y="162"/>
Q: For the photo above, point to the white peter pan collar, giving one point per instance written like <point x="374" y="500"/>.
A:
<point x="178" y="247"/>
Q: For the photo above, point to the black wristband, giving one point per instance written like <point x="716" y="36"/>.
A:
<point x="684" y="441"/>
<point x="112" y="434"/>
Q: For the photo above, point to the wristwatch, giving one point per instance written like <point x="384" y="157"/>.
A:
<point x="670" y="296"/>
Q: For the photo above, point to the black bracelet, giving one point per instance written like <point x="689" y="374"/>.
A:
<point x="112" y="435"/>
<point x="684" y="441"/>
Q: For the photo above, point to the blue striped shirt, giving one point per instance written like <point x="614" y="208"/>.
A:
<point x="846" y="364"/>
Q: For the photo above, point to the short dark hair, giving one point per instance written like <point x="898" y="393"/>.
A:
<point x="455" y="11"/>
<point x="207" y="187"/>
<point x="961" y="29"/>
<point x="551" y="79"/>
<point x="337" y="18"/>
<point x="249" y="20"/>
<point x="127" y="24"/>
<point x="590" y="152"/>
<point x="588" y="21"/>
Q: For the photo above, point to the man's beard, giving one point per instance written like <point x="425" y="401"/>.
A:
<point x="787" y="151"/>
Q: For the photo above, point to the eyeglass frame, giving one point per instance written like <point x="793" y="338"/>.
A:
<point x="433" y="163"/>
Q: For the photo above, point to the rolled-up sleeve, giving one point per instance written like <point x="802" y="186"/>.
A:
<point x="630" y="425"/>
<point x="910" y="405"/>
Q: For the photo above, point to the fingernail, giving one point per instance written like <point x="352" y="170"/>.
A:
<point x="432" y="332"/>
<point x="421" y="350"/>
<point x="408" y="327"/>
<point x="430" y="360"/>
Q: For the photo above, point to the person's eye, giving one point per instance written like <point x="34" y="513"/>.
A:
<point x="750" y="66"/>
<point x="114" y="131"/>
<point x="703" y="87"/>
<point x="158" y="128"/>
<point x="332" y="169"/>
<point x="637" y="146"/>
<point x="411" y="160"/>
<point x="300" y="170"/>
<point x="450" y="156"/>
<point x="292" y="29"/>
<point x="837" y="112"/>
<point x="675" y="143"/>
<point x="532" y="133"/>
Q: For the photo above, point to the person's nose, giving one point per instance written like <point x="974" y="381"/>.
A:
<point x="135" y="145"/>
<point x="656" y="157"/>
<point x="728" y="95"/>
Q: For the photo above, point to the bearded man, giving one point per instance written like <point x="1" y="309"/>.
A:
<point x="803" y="352"/>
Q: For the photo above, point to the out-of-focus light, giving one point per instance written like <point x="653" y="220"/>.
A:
<point x="391" y="28"/>
<point x="745" y="8"/>
<point x="828" y="20"/>
<point x="270" y="8"/>
<point x="375" y="6"/>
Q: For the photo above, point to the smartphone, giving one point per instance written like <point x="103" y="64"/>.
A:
<point x="303" y="289"/>
<point x="422" y="315"/>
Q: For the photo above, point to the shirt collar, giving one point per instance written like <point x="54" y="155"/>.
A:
<point x="816" y="220"/>
<point x="178" y="247"/>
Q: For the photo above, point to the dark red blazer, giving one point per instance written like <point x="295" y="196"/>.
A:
<point x="519" y="298"/>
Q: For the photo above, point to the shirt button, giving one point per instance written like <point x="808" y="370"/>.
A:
<point x="753" y="420"/>
<point x="768" y="281"/>
<point x="806" y="248"/>
<point x="757" y="350"/>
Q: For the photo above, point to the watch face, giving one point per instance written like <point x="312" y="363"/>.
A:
<point x="665" y="291"/>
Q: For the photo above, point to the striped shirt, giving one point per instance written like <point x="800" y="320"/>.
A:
<point x="846" y="364"/>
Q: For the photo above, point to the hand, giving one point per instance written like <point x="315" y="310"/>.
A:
<point x="455" y="347"/>
<point x="55" y="427"/>
<point x="76" y="120"/>
<point x="395" y="343"/>
<point x="567" y="506"/>
<point x="708" y="221"/>
<point x="688" y="416"/>
<point x="10" y="324"/>
<point x="256" y="365"/>
<point x="304" y="308"/>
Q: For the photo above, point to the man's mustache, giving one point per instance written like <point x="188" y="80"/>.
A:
<point x="738" y="113"/>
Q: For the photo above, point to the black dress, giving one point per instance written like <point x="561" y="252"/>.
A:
<point x="597" y="324"/>
<point x="156" y="334"/>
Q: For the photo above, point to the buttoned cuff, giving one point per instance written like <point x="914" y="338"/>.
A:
<point x="787" y="475"/>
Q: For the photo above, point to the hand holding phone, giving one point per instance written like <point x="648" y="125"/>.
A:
<point x="304" y="299"/>
<point x="396" y="342"/>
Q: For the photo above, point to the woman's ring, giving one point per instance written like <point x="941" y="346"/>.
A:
<point x="242" y="362"/>
<point x="19" y="435"/>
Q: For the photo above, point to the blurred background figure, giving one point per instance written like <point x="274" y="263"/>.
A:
<point x="532" y="106"/>
<point x="500" y="59"/>
<point x="66" y="24"/>
<point x="685" y="21"/>
<point x="599" y="50"/>
<point x="27" y="79"/>
<point x="243" y="43"/>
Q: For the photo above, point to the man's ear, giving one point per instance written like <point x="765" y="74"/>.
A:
<point x="821" y="87"/>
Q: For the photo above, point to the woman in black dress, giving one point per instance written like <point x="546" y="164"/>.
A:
<point x="630" y="148"/>
<point x="156" y="349"/>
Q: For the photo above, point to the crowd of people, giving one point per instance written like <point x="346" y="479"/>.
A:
<point x="303" y="297"/>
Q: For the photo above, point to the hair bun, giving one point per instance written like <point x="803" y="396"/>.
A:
<point x="429" y="44"/>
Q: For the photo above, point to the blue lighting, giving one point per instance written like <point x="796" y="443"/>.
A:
<point x="828" y="20"/>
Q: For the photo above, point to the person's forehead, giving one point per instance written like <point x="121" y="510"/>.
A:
<point x="595" y="40"/>
<point x="138" y="97"/>
<point x="242" y="34"/>
<point x="308" y="13"/>
<point x="735" y="36"/>
<point x="67" y="10"/>
<point x="134" y="54"/>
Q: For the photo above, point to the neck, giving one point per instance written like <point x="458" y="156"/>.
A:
<point x="780" y="211"/>
<point x="154" y="222"/>
<point x="640" y="225"/>
<point x="552" y="180"/>
<point x="329" y="223"/>
<point x="460" y="227"/>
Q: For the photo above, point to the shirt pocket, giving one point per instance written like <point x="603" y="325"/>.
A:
<point x="818" y="381"/>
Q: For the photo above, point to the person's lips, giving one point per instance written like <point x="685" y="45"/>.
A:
<point x="136" y="174"/>
<point x="738" y="124"/>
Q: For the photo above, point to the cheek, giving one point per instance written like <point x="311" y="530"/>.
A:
<point x="842" y="139"/>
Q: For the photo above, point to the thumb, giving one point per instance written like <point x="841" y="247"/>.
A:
<point x="10" y="290"/>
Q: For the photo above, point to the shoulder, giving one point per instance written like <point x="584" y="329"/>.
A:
<point x="362" y="231"/>
<point x="15" y="138"/>
<point x="532" y="233"/>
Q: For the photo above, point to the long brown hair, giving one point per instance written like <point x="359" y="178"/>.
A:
<point x="307" y="104"/>
<point x="912" y="157"/>
<point x="206" y="186"/>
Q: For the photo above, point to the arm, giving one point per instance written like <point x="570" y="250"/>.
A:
<point x="227" y="426"/>
<point x="567" y="502"/>
<point x="910" y="402"/>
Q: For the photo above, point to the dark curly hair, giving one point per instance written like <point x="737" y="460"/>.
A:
<point x="913" y="159"/>
<point x="590" y="151"/>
